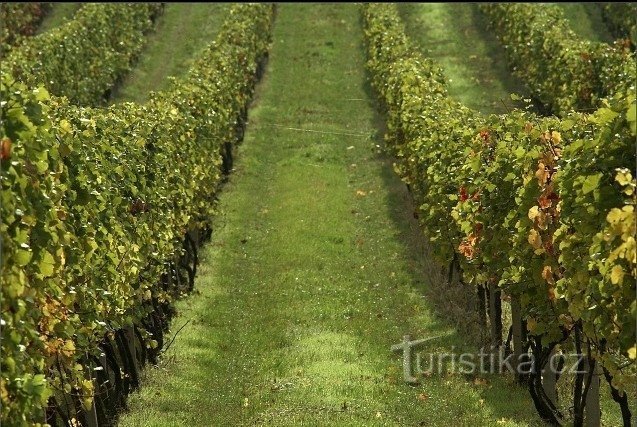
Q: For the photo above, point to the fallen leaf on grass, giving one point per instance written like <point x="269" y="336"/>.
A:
<point x="480" y="381"/>
<point x="422" y="397"/>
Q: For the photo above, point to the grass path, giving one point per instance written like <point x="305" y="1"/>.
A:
<point x="314" y="270"/>
<point x="182" y="30"/>
<point x="58" y="15"/>
<point x="586" y="20"/>
<point x="456" y="36"/>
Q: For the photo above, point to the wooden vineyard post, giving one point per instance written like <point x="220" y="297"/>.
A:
<point x="518" y="335"/>
<point x="482" y="307"/>
<point x="592" y="410"/>
<point x="194" y="236"/>
<point x="549" y="383"/>
<point x="130" y="339"/>
<point x="495" y="314"/>
<point x="91" y="415"/>
<point x="129" y="334"/>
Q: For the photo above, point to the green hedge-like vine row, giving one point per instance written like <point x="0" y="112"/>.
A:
<point x="561" y="70"/>
<point x="83" y="58"/>
<point x="19" y="20"/>
<point x="621" y="19"/>
<point x="542" y="207"/>
<point x="95" y="201"/>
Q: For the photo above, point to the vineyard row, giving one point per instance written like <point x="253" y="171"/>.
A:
<point x="563" y="71"/>
<point x="540" y="208"/>
<point x="84" y="58"/>
<point x="102" y="208"/>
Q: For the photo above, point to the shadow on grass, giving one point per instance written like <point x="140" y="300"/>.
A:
<point x="456" y="36"/>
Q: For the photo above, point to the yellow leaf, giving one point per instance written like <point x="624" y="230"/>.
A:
<point x="538" y="217"/>
<point x="556" y="137"/>
<point x="4" y="393"/>
<point x="547" y="274"/>
<point x="65" y="126"/>
<point x="68" y="349"/>
<point x="535" y="239"/>
<point x="69" y="345"/>
<point x="632" y="352"/>
<point x="534" y="212"/>
<point x="617" y="275"/>
<point x="541" y="173"/>
<point x="624" y="177"/>
<point x="615" y="215"/>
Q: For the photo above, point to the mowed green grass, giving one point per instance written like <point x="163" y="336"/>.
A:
<point x="181" y="32"/>
<point x="587" y="22"/>
<point x="58" y="15"/>
<point x="456" y="36"/>
<point x="315" y="268"/>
